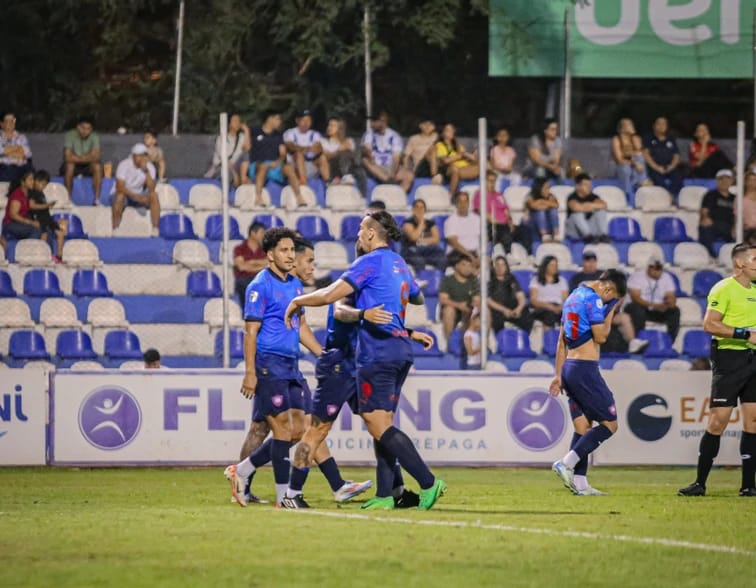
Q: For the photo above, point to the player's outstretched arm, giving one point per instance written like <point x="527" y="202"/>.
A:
<point x="336" y="291"/>
<point x="561" y="354"/>
<point x="249" y="383"/>
<point x="349" y="314"/>
<point x="423" y="338"/>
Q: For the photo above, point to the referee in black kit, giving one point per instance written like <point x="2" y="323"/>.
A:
<point x="731" y="320"/>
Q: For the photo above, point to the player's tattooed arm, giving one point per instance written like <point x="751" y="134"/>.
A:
<point x="349" y="314"/>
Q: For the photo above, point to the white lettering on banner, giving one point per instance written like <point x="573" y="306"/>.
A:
<point x="585" y="20"/>
<point x="23" y="409"/>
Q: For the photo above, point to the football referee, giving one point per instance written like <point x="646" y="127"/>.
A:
<point x="731" y="320"/>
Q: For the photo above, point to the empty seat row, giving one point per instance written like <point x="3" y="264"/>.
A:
<point x="73" y="345"/>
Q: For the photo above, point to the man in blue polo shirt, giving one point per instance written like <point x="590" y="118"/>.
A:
<point x="663" y="157"/>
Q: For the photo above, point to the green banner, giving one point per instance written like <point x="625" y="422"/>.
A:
<point x="622" y="38"/>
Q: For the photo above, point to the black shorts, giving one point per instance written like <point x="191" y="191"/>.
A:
<point x="80" y="169"/>
<point x="733" y="376"/>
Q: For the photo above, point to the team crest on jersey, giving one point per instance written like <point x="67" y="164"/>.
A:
<point x="337" y="368"/>
<point x="277" y="400"/>
<point x="332" y="409"/>
<point x="599" y="303"/>
<point x="613" y="410"/>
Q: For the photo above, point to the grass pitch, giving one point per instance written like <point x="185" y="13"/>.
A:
<point x="495" y="527"/>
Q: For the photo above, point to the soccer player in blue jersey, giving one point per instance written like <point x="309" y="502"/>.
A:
<point x="586" y="321"/>
<point x="384" y="352"/>
<point x="271" y="352"/>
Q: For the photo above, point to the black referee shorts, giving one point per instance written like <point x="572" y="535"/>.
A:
<point x="733" y="376"/>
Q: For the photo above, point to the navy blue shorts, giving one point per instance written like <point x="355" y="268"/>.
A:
<point x="273" y="396"/>
<point x="336" y="384"/>
<point x="588" y="393"/>
<point x="379" y="385"/>
<point x="301" y="398"/>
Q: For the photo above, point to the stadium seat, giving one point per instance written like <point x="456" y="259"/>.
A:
<point x="670" y="229"/>
<point x="86" y="366"/>
<point x="350" y="226"/>
<point x="42" y="283"/>
<point x="314" y="228"/>
<point x="550" y="340"/>
<point x="625" y="229"/>
<point x="81" y="252"/>
<point x="191" y="253"/>
<point x="58" y="313"/>
<point x="514" y="343"/>
<point x="437" y="198"/>
<point x="558" y="250"/>
<point x="659" y="343"/>
<point x="454" y="344"/>
<point x="90" y="282"/>
<point x="212" y="313"/>
<point x="392" y="196"/>
<point x="679" y="292"/>
<point x="417" y="316"/>
<point x="690" y="256"/>
<point x="561" y="193"/>
<point x="639" y="253"/>
<point x="6" y="285"/>
<point x="27" y="345"/>
<point x="331" y="255"/>
<point x="269" y="220"/>
<point x="168" y="197"/>
<point x="690" y="312"/>
<point x="74" y="344"/>
<point x="235" y="344"/>
<point x="14" y="312"/>
<point x="675" y="365"/>
<point x="440" y="220"/>
<point x="518" y="256"/>
<point x="629" y="364"/>
<point x="3" y="258"/>
<point x="134" y="223"/>
<point x="606" y="255"/>
<point x="615" y="198"/>
<point x="176" y="226"/>
<point x="246" y="196"/>
<point x="55" y="192"/>
<point x="346" y="197"/>
<point x="724" y="257"/>
<point x="696" y="343"/>
<point x="214" y="228"/>
<point x="691" y="197"/>
<point x="131" y="365"/>
<point x="317" y="316"/>
<point x="523" y="277"/>
<point x="704" y="280"/>
<point x="33" y="252"/>
<point x="516" y="196"/>
<point x="203" y="284"/>
<point x="4" y="194"/>
<point x="653" y="198"/>
<point x="205" y="197"/>
<point x="122" y="345"/>
<point x="432" y="279"/>
<point x="106" y="312"/>
<point x="289" y="199"/>
<point x="536" y="366"/>
<point x="75" y="229"/>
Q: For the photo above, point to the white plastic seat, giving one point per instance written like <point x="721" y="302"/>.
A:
<point x="437" y="198"/>
<point x="14" y="312"/>
<point x="691" y="256"/>
<point x="131" y="365"/>
<point x="536" y="366"/>
<point x="639" y="253"/>
<point x="516" y="196"/>
<point x="86" y="366"/>
<point x="289" y="199"/>
<point x="55" y="192"/>
<point x="561" y="193"/>
<point x="212" y="313"/>
<point x="391" y="195"/>
<point x="58" y="312"/>
<point x="317" y="316"/>
<point x="649" y="198"/>
<point x="205" y="197"/>
<point x="39" y="365"/>
<point x="725" y="255"/>
<point x="33" y="252"/>
<point x="168" y="197"/>
<point x="629" y="364"/>
<point x="615" y="198"/>
<point x="691" y="197"/>
<point x="417" y="316"/>
<point x="191" y="253"/>
<point x="558" y="250"/>
<point x="135" y="222"/>
<point x="518" y="256"/>
<point x="331" y="255"/>
<point x="675" y="365"/>
<point x="496" y="367"/>
<point x="3" y="259"/>
<point x="4" y="194"/>
<point x="106" y="313"/>
<point x="345" y="197"/>
<point x="81" y="252"/>
<point x="690" y="312"/>
<point x="246" y="196"/>
<point x="606" y="255"/>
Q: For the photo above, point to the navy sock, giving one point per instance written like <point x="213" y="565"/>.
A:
<point x="248" y="485"/>
<point x="332" y="474"/>
<point x="280" y="459"/>
<point x="298" y="478"/>
<point x="707" y="451"/>
<point x="263" y="454"/>
<point x="748" y="455"/>
<point x="398" y="477"/>
<point x="581" y="469"/>
<point x="589" y="442"/>
<point x="384" y="471"/>
<point x="402" y="448"/>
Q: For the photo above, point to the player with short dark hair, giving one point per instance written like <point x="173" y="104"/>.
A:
<point x="586" y="321"/>
<point x="731" y="319"/>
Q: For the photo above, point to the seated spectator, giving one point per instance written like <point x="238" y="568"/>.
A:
<point x="548" y="291"/>
<point x="135" y="186"/>
<point x="586" y="213"/>
<point x="717" y="221"/>
<point x="15" y="154"/>
<point x="81" y="156"/>
<point x="17" y="222"/>
<point x="628" y="157"/>
<point x="588" y="272"/>
<point x="40" y="211"/>
<point x="458" y="294"/>
<point x="382" y="153"/>
<point x="499" y="222"/>
<point x="151" y="359"/>
<point x="249" y="260"/>
<point x="421" y="241"/>
<point x="419" y="146"/>
<point x="705" y="156"/>
<point x="238" y="142"/>
<point x="542" y="212"/>
<point x="155" y="154"/>
<point x="545" y="153"/>
<point x="343" y="162"/>
<point x="502" y="160"/>
<point x="506" y="300"/>
<point x="267" y="159"/>
<point x="305" y="150"/>
<point x="652" y="295"/>
<point x="749" y="202"/>
<point x="450" y="160"/>
<point x="471" y="340"/>
<point x="462" y="230"/>
<point x="663" y="157"/>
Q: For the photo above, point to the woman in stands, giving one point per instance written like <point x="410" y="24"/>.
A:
<point x="238" y="142"/>
<point x="627" y="156"/>
<point x="548" y="291"/>
<point x="342" y="157"/>
<point x="506" y="300"/>
<point x="450" y="159"/>
<point x="543" y="211"/>
<point x="545" y="153"/>
<point x="704" y="155"/>
<point x="421" y="241"/>
<point x="17" y="223"/>
<point x="502" y="159"/>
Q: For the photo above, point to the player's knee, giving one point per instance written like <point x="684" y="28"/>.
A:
<point x="612" y="426"/>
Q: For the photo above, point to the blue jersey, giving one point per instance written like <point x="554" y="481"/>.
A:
<point x="266" y="300"/>
<point x="382" y="277"/>
<point x="341" y="335"/>
<point x="583" y="309"/>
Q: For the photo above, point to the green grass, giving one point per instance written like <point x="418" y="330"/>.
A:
<point x="176" y="527"/>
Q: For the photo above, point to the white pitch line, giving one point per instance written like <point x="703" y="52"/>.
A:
<point x="537" y="531"/>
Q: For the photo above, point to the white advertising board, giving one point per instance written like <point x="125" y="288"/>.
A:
<point x="23" y="417"/>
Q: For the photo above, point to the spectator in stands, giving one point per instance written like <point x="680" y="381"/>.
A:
<point x="663" y="157"/>
<point x="15" y="154"/>
<point x="382" y="153"/>
<point x="462" y="230"/>
<point x="627" y="154"/>
<point x="267" y="158"/>
<point x="499" y="222"/>
<point x="249" y="259"/>
<point x="305" y="150"/>
<point x="543" y="211"/>
<point x="506" y="300"/>
<point x="343" y="162"/>
<point x="545" y="153"/>
<point x="81" y="156"/>
<point x="717" y="220"/>
<point x="238" y="142"/>
<point x="450" y="159"/>
<point x="419" y="146"/>
<point x="40" y="211"/>
<point x="458" y="294"/>
<point x="705" y="156"/>
<point x="548" y="291"/>
<point x="588" y="272"/>
<point x="17" y="223"/>
<point x="151" y="359"/>
<point x="155" y="154"/>
<point x="421" y="241"/>
<point x="749" y="202"/>
<point x="135" y="186"/>
<point x="652" y="295"/>
<point x="586" y="213"/>
<point x="471" y="340"/>
<point x="502" y="160"/>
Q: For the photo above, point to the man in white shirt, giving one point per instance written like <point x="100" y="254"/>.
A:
<point x="305" y="151"/>
<point x="382" y="153"/>
<point x="652" y="294"/>
<point x="135" y="186"/>
<point x="462" y="230"/>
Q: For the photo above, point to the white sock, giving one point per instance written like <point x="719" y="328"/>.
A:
<point x="291" y="493"/>
<point x="571" y="459"/>
<point x="245" y="468"/>
<point x="397" y="492"/>
<point x="581" y="482"/>
<point x="281" y="492"/>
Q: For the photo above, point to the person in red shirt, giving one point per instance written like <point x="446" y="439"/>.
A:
<point x="704" y="155"/>
<point x="16" y="223"/>
<point x="249" y="259"/>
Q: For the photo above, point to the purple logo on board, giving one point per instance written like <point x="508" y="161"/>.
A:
<point x="537" y="420"/>
<point x="110" y="418"/>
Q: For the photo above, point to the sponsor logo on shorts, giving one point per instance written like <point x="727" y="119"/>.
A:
<point x="647" y="417"/>
<point x="277" y="400"/>
<point x="331" y="409"/>
<point x="537" y="420"/>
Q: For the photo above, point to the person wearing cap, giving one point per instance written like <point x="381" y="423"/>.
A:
<point x="81" y="156"/>
<point x="652" y="295"/>
<point x="419" y="145"/>
<point x="305" y="151"/>
<point x="382" y="149"/>
<point x="717" y="220"/>
<point x="135" y="186"/>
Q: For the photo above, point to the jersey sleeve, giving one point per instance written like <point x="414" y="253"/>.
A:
<point x="255" y="300"/>
<point x="718" y="298"/>
<point x="361" y="272"/>
<point x="414" y="288"/>
<point x="594" y="308"/>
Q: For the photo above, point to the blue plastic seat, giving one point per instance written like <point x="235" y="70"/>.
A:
<point x="235" y="344"/>
<point x="74" y="344"/>
<point x="440" y="220"/>
<point x="624" y="229"/>
<point x="271" y="221"/>
<point x="454" y="344"/>
<point x="696" y="344"/>
<point x="703" y="280"/>
<point x="214" y="228"/>
<point x="350" y="225"/>
<point x="550" y="340"/>
<point x="75" y="228"/>
<point x="514" y="343"/>
<point x="27" y="345"/>
<point x="670" y="229"/>
<point x="42" y="283"/>
<point x="420" y="351"/>
<point x="91" y="282"/>
<point x="523" y="278"/>
<point x="203" y="284"/>
<point x="6" y="285"/>
<point x="314" y="228"/>
<point x="432" y="279"/>
<point x="175" y="227"/>
<point x="122" y="345"/>
<point x="659" y="343"/>
<point x="679" y="292"/>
